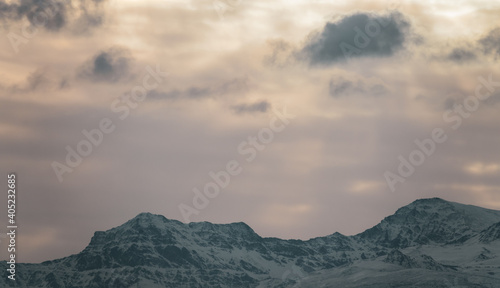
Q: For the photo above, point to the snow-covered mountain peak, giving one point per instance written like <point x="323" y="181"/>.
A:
<point x="153" y="251"/>
<point x="477" y="218"/>
<point x="428" y="221"/>
<point x="147" y="219"/>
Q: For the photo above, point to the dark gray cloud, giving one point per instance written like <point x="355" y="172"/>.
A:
<point x="340" y="86"/>
<point x="53" y="15"/>
<point x="197" y="92"/>
<point x="357" y="35"/>
<point x="176" y="94"/>
<point x="465" y="52"/>
<point x="461" y="55"/>
<point x="160" y="95"/>
<point x="231" y="87"/>
<point x="50" y="14"/>
<point x="111" y="65"/>
<point x="491" y="42"/>
<point x="258" y="107"/>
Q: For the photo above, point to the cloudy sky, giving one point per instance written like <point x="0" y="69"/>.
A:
<point x="179" y="89"/>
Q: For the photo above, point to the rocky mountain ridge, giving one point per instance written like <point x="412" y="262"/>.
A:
<point x="441" y="241"/>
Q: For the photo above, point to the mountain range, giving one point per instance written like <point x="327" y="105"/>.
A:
<point x="428" y="243"/>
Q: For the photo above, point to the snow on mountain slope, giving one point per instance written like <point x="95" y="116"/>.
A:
<point x="429" y="241"/>
<point x="430" y="221"/>
<point x="490" y="234"/>
<point x="377" y="274"/>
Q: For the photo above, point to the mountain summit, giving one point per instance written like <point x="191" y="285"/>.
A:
<point x="437" y="242"/>
<point x="431" y="221"/>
